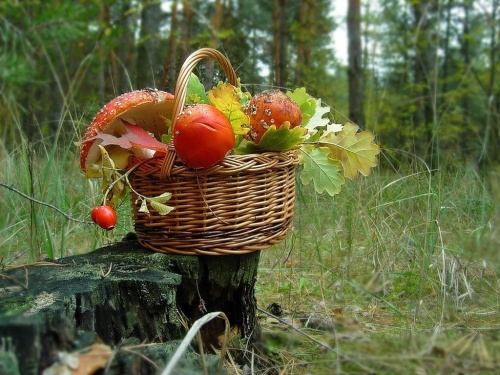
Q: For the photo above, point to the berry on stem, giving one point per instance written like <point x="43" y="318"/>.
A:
<point x="104" y="216"/>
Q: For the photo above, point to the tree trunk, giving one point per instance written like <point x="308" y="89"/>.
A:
<point x="301" y="45"/>
<point x="187" y="23"/>
<point x="125" y="51"/>
<point x="492" y="137"/>
<point x="216" y="25"/>
<point x="170" y="66"/>
<point x="148" y="61"/>
<point x="355" y="61"/>
<point x="466" y="56"/>
<point x="423" y="118"/>
<point x="123" y="295"/>
<point x="276" y="43"/>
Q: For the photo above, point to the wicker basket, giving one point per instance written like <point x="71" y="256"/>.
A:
<point x="243" y="204"/>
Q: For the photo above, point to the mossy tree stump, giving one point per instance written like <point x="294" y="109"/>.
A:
<point x="118" y="294"/>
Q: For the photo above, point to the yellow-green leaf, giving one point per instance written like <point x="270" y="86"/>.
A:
<point x="144" y="206"/>
<point x="161" y="208"/>
<point x="306" y="103"/>
<point x="225" y="97"/>
<point x="162" y="198"/>
<point x="110" y="176"/>
<point x="280" y="139"/>
<point x="319" y="168"/>
<point x="356" y="151"/>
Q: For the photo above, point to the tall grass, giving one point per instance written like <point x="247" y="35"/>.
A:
<point x="402" y="264"/>
<point x="46" y="201"/>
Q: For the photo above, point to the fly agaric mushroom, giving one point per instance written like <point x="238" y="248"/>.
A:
<point x="271" y="107"/>
<point x="148" y="108"/>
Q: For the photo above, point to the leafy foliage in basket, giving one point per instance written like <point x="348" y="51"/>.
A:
<point x="139" y="123"/>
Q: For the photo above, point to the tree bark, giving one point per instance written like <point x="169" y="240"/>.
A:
<point x="187" y="24"/>
<point x="124" y="68"/>
<point x="122" y="295"/>
<point x="492" y="137"/>
<point x="423" y="118"/>
<point x="466" y="56"/>
<point x="355" y="62"/>
<point x="216" y="26"/>
<point x="170" y="66"/>
<point x="279" y="42"/>
<point x="148" y="61"/>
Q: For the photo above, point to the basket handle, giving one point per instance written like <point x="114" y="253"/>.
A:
<point x="181" y="90"/>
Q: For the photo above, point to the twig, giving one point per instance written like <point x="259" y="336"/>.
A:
<point x="37" y="264"/>
<point x="15" y="281"/>
<point x="69" y="217"/>
<point x="326" y="346"/>
<point x="103" y="275"/>
<point x="189" y="337"/>
<point x="130" y="349"/>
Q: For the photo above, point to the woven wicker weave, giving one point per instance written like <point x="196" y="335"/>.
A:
<point x="243" y="204"/>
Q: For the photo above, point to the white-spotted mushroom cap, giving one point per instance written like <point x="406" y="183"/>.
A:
<point x="148" y="108"/>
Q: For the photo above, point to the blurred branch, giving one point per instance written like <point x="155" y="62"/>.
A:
<point x="69" y="217"/>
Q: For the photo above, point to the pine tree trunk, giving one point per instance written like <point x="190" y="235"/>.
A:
<point x="148" y="61"/>
<point x="423" y="76"/>
<point x="170" y="66"/>
<point x="355" y="61"/>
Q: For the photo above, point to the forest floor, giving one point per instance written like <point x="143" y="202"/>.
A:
<point x="398" y="274"/>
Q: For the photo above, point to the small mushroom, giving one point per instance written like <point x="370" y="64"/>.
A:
<point x="271" y="107"/>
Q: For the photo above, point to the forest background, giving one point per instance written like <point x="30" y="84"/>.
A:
<point x="423" y="74"/>
<point x="403" y="264"/>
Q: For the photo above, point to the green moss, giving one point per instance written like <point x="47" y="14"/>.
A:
<point x="12" y="306"/>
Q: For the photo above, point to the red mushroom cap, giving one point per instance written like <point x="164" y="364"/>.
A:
<point x="146" y="108"/>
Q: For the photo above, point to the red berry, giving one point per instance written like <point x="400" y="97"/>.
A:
<point x="93" y="214"/>
<point x="104" y="216"/>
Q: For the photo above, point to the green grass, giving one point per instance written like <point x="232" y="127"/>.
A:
<point x="402" y="266"/>
<point x="405" y="267"/>
<point x="54" y="221"/>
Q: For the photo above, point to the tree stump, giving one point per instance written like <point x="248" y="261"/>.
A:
<point x="122" y="294"/>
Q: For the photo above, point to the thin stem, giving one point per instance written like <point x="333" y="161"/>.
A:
<point x="30" y="198"/>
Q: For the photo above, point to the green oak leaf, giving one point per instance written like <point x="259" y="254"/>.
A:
<point x="323" y="171"/>
<point x="195" y="91"/>
<point x="280" y="139"/>
<point x="307" y="103"/>
<point x="356" y="151"/>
